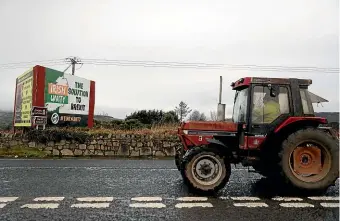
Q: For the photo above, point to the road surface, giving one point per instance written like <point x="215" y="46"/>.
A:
<point x="102" y="189"/>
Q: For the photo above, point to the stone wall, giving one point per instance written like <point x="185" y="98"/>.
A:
<point x="120" y="145"/>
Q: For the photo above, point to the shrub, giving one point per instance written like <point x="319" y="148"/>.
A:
<point x="56" y="135"/>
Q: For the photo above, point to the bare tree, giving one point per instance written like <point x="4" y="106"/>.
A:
<point x="213" y="115"/>
<point x="182" y="110"/>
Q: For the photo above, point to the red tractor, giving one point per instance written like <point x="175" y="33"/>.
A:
<point x="273" y="129"/>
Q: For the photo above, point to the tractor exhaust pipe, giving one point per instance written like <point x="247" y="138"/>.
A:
<point x="220" y="106"/>
<point x="221" y="112"/>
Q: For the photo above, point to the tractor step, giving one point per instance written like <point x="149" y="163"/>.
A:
<point x="248" y="161"/>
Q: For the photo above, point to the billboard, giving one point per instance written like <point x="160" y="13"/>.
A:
<point x="68" y="99"/>
<point x="23" y="99"/>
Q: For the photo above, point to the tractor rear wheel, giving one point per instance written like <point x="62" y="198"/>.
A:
<point x="309" y="160"/>
<point x="204" y="169"/>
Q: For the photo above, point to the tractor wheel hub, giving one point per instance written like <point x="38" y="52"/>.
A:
<point x="205" y="169"/>
<point x="306" y="159"/>
<point x="309" y="162"/>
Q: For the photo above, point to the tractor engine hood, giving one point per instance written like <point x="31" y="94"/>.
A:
<point x="209" y="126"/>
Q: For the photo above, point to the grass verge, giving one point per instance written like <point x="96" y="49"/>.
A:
<point x="22" y="152"/>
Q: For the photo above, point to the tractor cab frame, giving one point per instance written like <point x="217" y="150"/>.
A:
<point x="250" y="114"/>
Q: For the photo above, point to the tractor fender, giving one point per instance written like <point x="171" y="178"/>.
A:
<point x="224" y="149"/>
<point x="214" y="141"/>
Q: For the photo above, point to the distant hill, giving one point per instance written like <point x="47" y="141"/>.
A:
<point x="6" y="118"/>
<point x="104" y="118"/>
<point x="330" y="116"/>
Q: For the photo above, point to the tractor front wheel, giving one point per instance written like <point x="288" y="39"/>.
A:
<point x="205" y="170"/>
<point x="177" y="160"/>
<point x="309" y="160"/>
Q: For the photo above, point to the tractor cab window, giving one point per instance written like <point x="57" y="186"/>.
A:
<point x="306" y="104"/>
<point x="240" y="106"/>
<point x="266" y="107"/>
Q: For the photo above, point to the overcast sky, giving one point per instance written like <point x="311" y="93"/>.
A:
<point x="262" y="32"/>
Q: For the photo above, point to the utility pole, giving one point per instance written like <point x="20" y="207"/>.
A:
<point x="73" y="62"/>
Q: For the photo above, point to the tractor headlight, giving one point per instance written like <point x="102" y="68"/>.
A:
<point x="185" y="131"/>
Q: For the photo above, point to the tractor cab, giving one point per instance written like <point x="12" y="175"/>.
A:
<point x="264" y="106"/>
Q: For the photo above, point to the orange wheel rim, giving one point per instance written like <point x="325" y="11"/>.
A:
<point x="310" y="162"/>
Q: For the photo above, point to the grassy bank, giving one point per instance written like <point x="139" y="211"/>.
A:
<point x="22" y="152"/>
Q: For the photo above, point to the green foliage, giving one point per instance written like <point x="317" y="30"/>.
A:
<point x="133" y="124"/>
<point x="56" y="135"/>
<point x="169" y="117"/>
<point x="154" y="117"/>
<point x="197" y="116"/>
<point x="146" y="116"/>
<point x="143" y="119"/>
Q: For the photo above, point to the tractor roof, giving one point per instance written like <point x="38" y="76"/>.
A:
<point x="246" y="81"/>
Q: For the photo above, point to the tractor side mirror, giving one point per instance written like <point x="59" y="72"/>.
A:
<point x="274" y="89"/>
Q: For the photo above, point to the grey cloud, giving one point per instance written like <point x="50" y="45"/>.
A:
<point x="234" y="32"/>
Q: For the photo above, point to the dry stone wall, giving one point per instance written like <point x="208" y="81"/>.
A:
<point x="120" y="145"/>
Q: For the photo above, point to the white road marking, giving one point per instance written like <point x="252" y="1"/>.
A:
<point x="251" y="205"/>
<point x="7" y="199"/>
<point x="41" y="206"/>
<point x="95" y="199"/>
<point x="48" y="199"/>
<point x="190" y="205"/>
<point x="296" y="205"/>
<point x="190" y="199"/>
<point x="324" y="198"/>
<point x="2" y="205"/>
<point x="330" y="205"/>
<point x="147" y="205"/>
<point x="90" y="205"/>
<point x="147" y="199"/>
<point x="287" y="199"/>
<point x="247" y="198"/>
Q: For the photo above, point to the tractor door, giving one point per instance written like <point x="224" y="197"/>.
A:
<point x="269" y="106"/>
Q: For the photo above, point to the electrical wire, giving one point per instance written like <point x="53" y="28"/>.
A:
<point x="29" y="64"/>
<point x="169" y="64"/>
<point x="207" y="66"/>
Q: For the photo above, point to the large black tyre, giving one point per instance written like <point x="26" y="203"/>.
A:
<point x="330" y="172"/>
<point x="177" y="160"/>
<point x="267" y="169"/>
<point x="196" y="161"/>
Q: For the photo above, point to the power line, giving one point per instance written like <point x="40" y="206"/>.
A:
<point x="37" y="61"/>
<point x="199" y="63"/>
<point x="29" y="64"/>
<point x="169" y="64"/>
<point x="133" y="63"/>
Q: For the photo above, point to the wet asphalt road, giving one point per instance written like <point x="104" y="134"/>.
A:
<point x="109" y="190"/>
